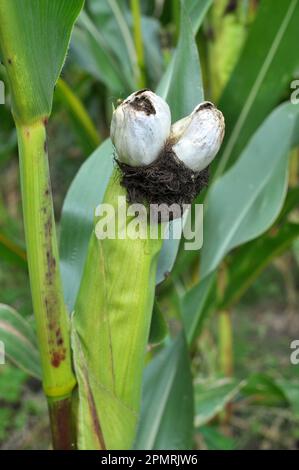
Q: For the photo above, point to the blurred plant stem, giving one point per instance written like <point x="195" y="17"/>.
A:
<point x="43" y="262"/>
<point x="228" y="31"/>
<point x="176" y="17"/>
<point x="225" y="332"/>
<point x="137" y="26"/>
<point x="14" y="251"/>
<point x="85" y="128"/>
<point x="225" y="340"/>
<point x="294" y="168"/>
<point x="126" y="35"/>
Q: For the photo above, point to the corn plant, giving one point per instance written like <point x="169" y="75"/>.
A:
<point x="115" y="375"/>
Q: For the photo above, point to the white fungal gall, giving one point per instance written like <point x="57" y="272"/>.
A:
<point x="139" y="128"/>
<point x="197" y="138"/>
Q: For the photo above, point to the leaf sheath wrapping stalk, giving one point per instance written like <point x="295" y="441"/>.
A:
<point x="111" y="327"/>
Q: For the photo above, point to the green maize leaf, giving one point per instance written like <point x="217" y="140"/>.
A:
<point x="84" y="195"/>
<point x="197" y="304"/>
<point x="264" y="390"/>
<point x="291" y="202"/>
<point x="186" y="258"/>
<point x="197" y="11"/>
<point x="252" y="258"/>
<point x="125" y="35"/>
<point x="85" y="131"/>
<point x="93" y="52"/>
<point x="104" y="45"/>
<point x="215" y="440"/>
<point x="152" y="50"/>
<point x="34" y="38"/>
<point x="211" y="397"/>
<point x="290" y="390"/>
<point x="19" y="341"/>
<point x="159" y="328"/>
<point x="264" y="71"/>
<point x="181" y="85"/>
<point x="252" y="191"/>
<point x="99" y="47"/>
<point x="167" y="411"/>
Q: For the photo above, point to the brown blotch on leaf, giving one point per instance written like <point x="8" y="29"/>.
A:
<point x="45" y="121"/>
<point x="9" y="61"/>
<point x="165" y="181"/>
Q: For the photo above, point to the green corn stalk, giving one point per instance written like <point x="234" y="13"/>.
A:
<point x="34" y="37"/>
<point x="110" y="331"/>
<point x="43" y="262"/>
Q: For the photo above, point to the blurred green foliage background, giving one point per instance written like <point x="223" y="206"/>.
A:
<point x="246" y="389"/>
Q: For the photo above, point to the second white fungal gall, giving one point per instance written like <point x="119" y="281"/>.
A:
<point x="198" y="137"/>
